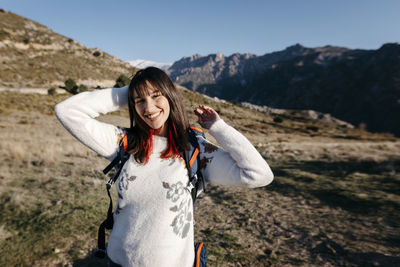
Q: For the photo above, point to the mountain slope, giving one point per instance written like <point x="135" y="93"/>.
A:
<point x="358" y="86"/>
<point x="33" y="55"/>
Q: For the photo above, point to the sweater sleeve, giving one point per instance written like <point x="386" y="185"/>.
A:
<point x="77" y="114"/>
<point x="236" y="163"/>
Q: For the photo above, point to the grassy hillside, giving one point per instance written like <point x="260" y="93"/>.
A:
<point x="334" y="201"/>
<point x="33" y="55"/>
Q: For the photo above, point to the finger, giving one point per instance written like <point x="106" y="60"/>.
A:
<point x="198" y="111"/>
<point x="201" y="107"/>
<point x="208" y="109"/>
<point x="205" y="107"/>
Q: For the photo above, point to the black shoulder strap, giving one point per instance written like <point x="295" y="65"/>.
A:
<point x="118" y="163"/>
<point x="121" y="157"/>
<point x="192" y="159"/>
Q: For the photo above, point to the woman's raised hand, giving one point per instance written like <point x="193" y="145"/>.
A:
<point x="206" y="116"/>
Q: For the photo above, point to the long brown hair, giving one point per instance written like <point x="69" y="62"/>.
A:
<point x="177" y="121"/>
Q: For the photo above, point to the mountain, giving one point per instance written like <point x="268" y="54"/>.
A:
<point x="32" y="55"/>
<point x="357" y="86"/>
<point x="142" y="63"/>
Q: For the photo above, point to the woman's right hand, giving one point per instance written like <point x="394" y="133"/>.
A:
<point x="206" y="116"/>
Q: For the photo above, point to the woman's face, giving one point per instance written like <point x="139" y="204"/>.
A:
<point x="153" y="109"/>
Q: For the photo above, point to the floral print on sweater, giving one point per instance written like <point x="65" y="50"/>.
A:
<point x="181" y="223"/>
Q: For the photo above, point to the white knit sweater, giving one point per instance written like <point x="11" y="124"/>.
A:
<point x="153" y="219"/>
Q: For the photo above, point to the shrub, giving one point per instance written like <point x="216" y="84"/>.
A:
<point x="71" y="87"/>
<point x="121" y="81"/>
<point x="312" y="128"/>
<point x="51" y="91"/>
<point x="96" y="53"/>
<point x="82" y="88"/>
<point x="278" y="119"/>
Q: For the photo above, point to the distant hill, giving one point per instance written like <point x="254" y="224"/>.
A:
<point x="32" y="55"/>
<point x="358" y="86"/>
<point x="142" y="63"/>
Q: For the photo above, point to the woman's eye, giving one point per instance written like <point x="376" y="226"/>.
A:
<point x="139" y="101"/>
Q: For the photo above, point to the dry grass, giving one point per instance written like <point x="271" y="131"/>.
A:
<point x="334" y="200"/>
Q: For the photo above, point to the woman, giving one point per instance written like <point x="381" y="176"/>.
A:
<point x="153" y="220"/>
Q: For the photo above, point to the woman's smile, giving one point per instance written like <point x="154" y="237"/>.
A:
<point x="153" y="116"/>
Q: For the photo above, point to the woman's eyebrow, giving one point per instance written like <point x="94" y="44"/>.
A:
<point x="156" y="92"/>
<point x="152" y="93"/>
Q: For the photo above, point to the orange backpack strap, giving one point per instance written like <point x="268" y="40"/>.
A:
<point x="196" y="128"/>
<point x="200" y="255"/>
<point x="125" y="141"/>
<point x="194" y="156"/>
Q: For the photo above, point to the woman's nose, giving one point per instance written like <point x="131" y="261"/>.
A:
<point x="149" y="106"/>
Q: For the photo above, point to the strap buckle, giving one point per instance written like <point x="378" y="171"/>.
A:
<point x="110" y="183"/>
<point x="189" y="187"/>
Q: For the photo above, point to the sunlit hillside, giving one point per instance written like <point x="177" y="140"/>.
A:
<point x="334" y="200"/>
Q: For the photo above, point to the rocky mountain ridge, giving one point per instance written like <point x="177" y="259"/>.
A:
<point x="197" y="71"/>
<point x="357" y="86"/>
<point x="32" y="55"/>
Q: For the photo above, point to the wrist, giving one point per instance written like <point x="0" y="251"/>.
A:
<point x="216" y="126"/>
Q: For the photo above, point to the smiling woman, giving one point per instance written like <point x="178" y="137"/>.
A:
<point x="153" y="220"/>
<point x="156" y="107"/>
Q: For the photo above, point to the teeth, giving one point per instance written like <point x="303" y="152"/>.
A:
<point x="153" y="116"/>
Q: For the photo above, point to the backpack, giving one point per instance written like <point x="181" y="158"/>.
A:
<point x="196" y="186"/>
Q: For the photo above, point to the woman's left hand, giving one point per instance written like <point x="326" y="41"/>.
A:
<point x="206" y="116"/>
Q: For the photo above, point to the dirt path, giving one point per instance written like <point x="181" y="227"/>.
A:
<point x="42" y="91"/>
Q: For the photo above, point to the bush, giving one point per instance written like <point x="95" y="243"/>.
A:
<point x="312" y="128"/>
<point x="96" y="53"/>
<point x="51" y="91"/>
<point x="71" y="87"/>
<point x="121" y="81"/>
<point x="82" y="88"/>
<point x="278" y="119"/>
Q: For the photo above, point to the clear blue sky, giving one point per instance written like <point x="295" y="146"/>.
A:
<point x="165" y="31"/>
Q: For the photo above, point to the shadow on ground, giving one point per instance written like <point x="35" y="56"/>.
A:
<point x="332" y="252"/>
<point x="337" y="184"/>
